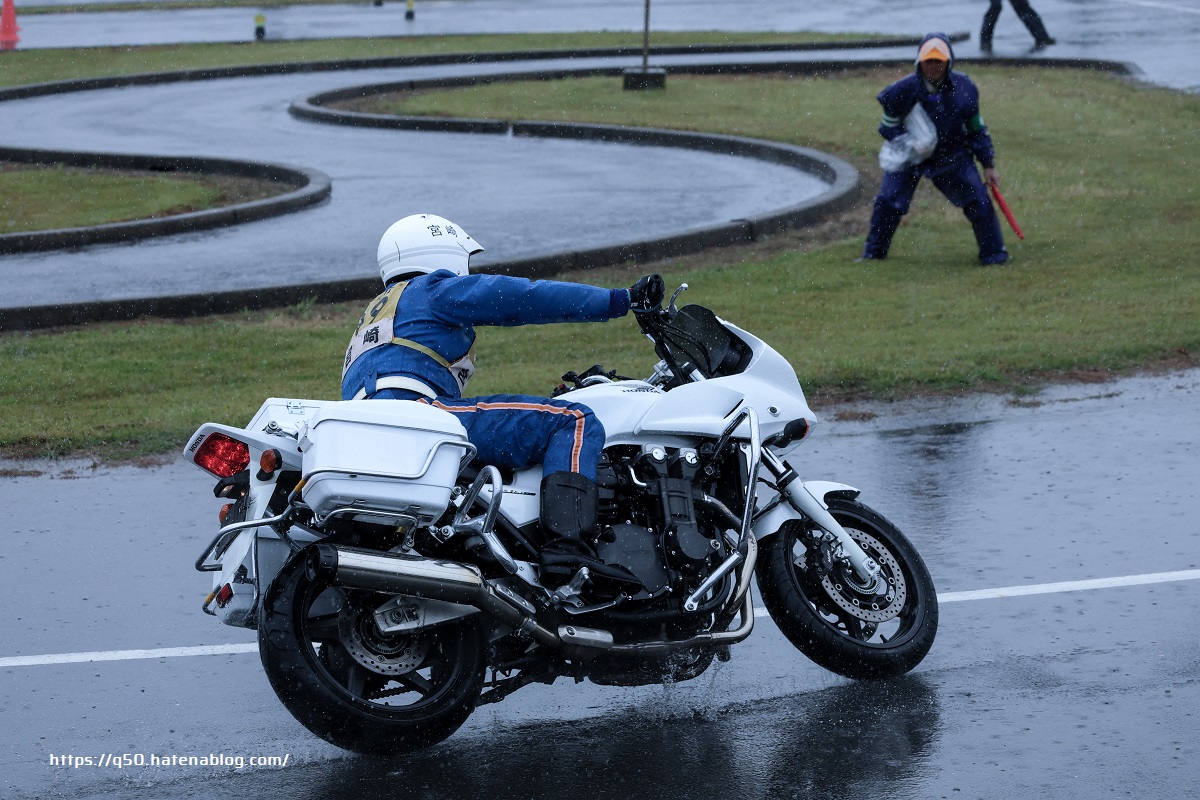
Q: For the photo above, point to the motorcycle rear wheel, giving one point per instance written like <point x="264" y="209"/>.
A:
<point x="355" y="687"/>
<point x="855" y="634"/>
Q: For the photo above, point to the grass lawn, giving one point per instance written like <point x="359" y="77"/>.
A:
<point x="1098" y="171"/>
<point x="20" y="67"/>
<point x="43" y="198"/>
<point x="166" y="5"/>
<point x="34" y="198"/>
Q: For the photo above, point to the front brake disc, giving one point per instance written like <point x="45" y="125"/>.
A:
<point x="861" y="602"/>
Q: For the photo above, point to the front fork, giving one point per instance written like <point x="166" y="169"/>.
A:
<point x="866" y="569"/>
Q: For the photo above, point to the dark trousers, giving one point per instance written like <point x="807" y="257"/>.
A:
<point x="518" y="431"/>
<point x="963" y="187"/>
<point x="1025" y="11"/>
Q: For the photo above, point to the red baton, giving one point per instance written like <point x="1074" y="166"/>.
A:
<point x="1007" y="213"/>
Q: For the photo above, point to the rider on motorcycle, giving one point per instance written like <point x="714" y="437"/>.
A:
<point x="416" y="341"/>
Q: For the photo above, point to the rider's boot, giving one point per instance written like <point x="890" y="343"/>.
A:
<point x="569" y="517"/>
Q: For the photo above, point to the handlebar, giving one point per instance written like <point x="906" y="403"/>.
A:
<point x="652" y="322"/>
<point x="693" y="343"/>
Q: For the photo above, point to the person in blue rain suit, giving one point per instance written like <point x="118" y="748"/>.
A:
<point x="416" y="341"/>
<point x="951" y="100"/>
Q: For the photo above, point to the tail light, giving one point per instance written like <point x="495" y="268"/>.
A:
<point x="222" y="455"/>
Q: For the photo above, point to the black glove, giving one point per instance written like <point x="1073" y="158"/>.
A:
<point x="647" y="293"/>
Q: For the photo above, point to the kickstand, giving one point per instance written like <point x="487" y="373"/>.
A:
<point x="502" y="689"/>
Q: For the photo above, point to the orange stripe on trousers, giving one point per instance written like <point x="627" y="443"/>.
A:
<point x="485" y="406"/>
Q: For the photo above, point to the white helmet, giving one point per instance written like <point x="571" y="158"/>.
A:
<point x="423" y="243"/>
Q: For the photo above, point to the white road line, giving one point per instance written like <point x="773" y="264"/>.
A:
<point x="944" y="597"/>
<point x="1070" y="586"/>
<point x="127" y="655"/>
<point x="1060" y="587"/>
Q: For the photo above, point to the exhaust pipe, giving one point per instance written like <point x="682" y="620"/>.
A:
<point x="450" y="581"/>
<point x="740" y="602"/>
<point x="394" y="573"/>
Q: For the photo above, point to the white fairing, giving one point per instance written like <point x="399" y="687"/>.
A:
<point x="521" y="504"/>
<point x="632" y="410"/>
<point x="619" y="406"/>
<point x="636" y="412"/>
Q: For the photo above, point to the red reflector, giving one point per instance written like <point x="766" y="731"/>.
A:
<point x="224" y="512"/>
<point x="222" y="455"/>
<point x="224" y="595"/>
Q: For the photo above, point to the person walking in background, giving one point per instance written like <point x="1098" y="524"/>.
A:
<point x="1025" y="11"/>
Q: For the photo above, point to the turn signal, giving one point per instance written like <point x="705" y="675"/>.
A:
<point x="222" y="455"/>
<point x="268" y="462"/>
<point x="224" y="512"/>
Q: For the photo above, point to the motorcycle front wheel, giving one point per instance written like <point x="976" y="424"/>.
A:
<point x="856" y="631"/>
<point x="351" y="684"/>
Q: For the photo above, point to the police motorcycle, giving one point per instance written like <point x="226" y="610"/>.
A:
<point x="394" y="585"/>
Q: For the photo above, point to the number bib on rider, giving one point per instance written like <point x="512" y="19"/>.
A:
<point x="376" y="326"/>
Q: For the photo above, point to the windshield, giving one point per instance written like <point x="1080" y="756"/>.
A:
<point x="698" y="341"/>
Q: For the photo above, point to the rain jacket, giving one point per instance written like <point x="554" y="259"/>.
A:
<point x="954" y="110"/>
<point x="424" y="328"/>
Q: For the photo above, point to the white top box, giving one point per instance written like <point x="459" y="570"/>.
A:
<point x="387" y="459"/>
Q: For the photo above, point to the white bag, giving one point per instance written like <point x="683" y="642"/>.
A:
<point x="911" y="147"/>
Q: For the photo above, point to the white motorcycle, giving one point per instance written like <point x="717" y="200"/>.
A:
<point x="394" y="585"/>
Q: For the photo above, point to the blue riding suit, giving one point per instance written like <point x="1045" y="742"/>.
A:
<point x="962" y="137"/>
<point x="416" y="342"/>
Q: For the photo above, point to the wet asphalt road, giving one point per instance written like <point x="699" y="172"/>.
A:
<point x="1080" y="694"/>
<point x="1159" y="35"/>
<point x="520" y="197"/>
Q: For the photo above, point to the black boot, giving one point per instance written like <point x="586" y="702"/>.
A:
<point x="569" y="519"/>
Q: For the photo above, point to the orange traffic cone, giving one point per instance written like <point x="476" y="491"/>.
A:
<point x="9" y="30"/>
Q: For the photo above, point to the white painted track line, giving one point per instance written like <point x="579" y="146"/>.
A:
<point x="127" y="655"/>
<point x="1070" y="586"/>
<point x="944" y="597"/>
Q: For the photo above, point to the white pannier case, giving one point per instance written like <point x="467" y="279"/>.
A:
<point x="387" y="461"/>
